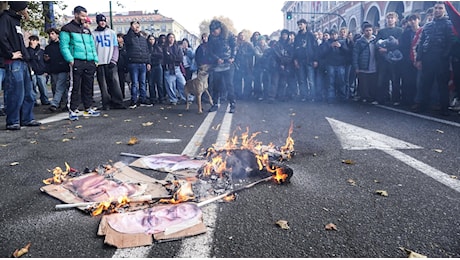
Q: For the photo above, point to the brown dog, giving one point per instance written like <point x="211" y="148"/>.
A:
<point x="197" y="87"/>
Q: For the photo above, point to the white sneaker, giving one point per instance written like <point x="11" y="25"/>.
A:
<point x="73" y="116"/>
<point x="91" y="112"/>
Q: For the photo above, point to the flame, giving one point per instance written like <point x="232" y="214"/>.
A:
<point x="288" y="148"/>
<point x="279" y="176"/>
<point x="59" y="176"/>
<point x="110" y="206"/>
<point x="183" y="193"/>
<point x="229" y="198"/>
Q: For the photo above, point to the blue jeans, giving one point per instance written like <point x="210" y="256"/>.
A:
<point x="307" y="84"/>
<point x="39" y="81"/>
<point x="18" y="92"/>
<point x="175" y="79"/>
<point x="336" y="76"/>
<point x="137" y="72"/>
<point x="2" y="78"/>
<point x="60" y="81"/>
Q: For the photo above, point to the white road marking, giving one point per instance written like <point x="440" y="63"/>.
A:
<point x="421" y="116"/>
<point x="198" y="246"/>
<point x="54" y="118"/>
<point x="356" y="138"/>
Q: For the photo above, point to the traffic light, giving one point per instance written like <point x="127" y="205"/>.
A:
<point x="289" y="15"/>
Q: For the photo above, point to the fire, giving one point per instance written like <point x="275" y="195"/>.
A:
<point x="183" y="192"/>
<point x="229" y="198"/>
<point x="110" y="206"/>
<point x="59" y="176"/>
<point x="279" y="175"/>
<point x="288" y="148"/>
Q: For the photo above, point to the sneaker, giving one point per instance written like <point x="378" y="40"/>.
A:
<point x="91" y="112"/>
<point x="232" y="109"/>
<point x="33" y="123"/>
<point x="52" y="108"/>
<point x="146" y="103"/>
<point x="73" y="116"/>
<point x="13" y="127"/>
<point x="133" y="105"/>
<point x="213" y="108"/>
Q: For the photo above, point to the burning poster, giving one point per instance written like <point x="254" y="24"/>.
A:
<point x="167" y="162"/>
<point x="106" y="184"/>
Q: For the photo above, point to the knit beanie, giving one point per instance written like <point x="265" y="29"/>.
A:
<point x="100" y="17"/>
<point x="18" y="5"/>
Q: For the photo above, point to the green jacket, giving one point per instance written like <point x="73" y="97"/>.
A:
<point x="76" y="42"/>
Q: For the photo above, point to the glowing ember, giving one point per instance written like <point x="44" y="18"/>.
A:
<point x="229" y="198"/>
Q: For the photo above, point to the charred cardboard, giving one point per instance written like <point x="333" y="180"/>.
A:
<point x="124" y="174"/>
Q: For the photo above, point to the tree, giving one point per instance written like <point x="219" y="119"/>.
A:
<point x="204" y="25"/>
<point x="37" y="15"/>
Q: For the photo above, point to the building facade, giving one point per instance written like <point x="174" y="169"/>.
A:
<point x="327" y="15"/>
<point x="151" y="23"/>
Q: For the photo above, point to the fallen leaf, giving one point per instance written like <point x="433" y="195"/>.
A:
<point x="453" y="177"/>
<point x="133" y="140"/>
<point x="105" y="115"/>
<point x="266" y="132"/>
<point x="180" y="114"/>
<point x="20" y="252"/>
<point x="352" y="182"/>
<point x="293" y="114"/>
<point x="331" y="226"/>
<point x="147" y="124"/>
<point x="412" y="254"/>
<point x="283" y="224"/>
<point x="316" y="137"/>
<point x="14" y="163"/>
<point x="383" y="193"/>
<point x="348" y="162"/>
<point x="65" y="140"/>
<point x="3" y="145"/>
<point x="376" y="181"/>
<point x="78" y="126"/>
<point x="440" y="131"/>
<point x="191" y="126"/>
<point x="118" y="142"/>
<point x="325" y="209"/>
<point x="166" y="118"/>
<point x="437" y="150"/>
<point x="167" y="131"/>
<point x="42" y="128"/>
<point x="34" y="142"/>
<point x="127" y="120"/>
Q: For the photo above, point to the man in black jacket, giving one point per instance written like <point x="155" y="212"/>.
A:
<point x="433" y="54"/>
<point x="58" y="70"/>
<point x="19" y="99"/>
<point x="222" y="54"/>
<point x="138" y="64"/>
<point x="305" y="61"/>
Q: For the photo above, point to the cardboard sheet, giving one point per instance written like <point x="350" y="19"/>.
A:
<point x="167" y="162"/>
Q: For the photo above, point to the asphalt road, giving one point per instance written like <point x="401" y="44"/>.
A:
<point x="419" y="213"/>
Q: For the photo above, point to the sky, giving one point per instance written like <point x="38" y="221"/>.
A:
<point x="254" y="15"/>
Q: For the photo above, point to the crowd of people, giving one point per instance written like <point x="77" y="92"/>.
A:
<point x="406" y="63"/>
